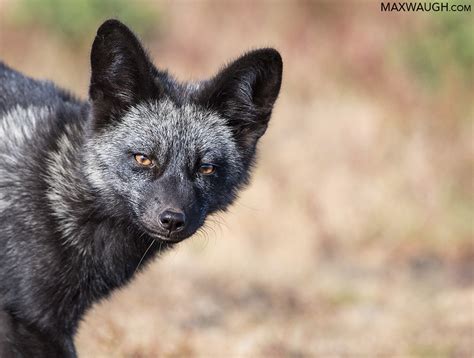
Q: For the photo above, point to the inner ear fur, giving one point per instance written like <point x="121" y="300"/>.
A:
<point x="245" y="91"/>
<point x="122" y="73"/>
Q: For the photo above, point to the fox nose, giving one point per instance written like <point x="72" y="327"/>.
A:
<point x="173" y="221"/>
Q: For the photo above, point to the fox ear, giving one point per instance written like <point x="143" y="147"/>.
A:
<point x="122" y="74"/>
<point x="244" y="93"/>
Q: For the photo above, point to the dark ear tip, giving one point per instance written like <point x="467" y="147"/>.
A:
<point x="110" y="25"/>
<point x="272" y="54"/>
<point x="270" y="57"/>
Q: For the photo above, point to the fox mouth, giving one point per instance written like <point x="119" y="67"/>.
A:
<point x="156" y="231"/>
<point x="166" y="237"/>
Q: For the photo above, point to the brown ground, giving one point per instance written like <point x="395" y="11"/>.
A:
<point x="355" y="236"/>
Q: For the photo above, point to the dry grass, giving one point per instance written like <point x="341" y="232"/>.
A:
<point x="355" y="237"/>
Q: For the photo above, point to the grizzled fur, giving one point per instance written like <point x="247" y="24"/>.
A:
<point x="78" y="214"/>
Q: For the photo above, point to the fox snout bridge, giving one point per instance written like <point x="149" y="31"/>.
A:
<point x="172" y="221"/>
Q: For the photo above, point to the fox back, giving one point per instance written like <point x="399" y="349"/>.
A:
<point x="90" y="190"/>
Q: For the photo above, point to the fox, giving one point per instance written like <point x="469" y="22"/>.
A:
<point x="92" y="189"/>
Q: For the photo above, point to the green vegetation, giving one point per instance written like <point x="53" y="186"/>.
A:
<point x="72" y="19"/>
<point x="448" y="45"/>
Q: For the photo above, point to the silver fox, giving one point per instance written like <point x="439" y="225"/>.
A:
<point x="89" y="189"/>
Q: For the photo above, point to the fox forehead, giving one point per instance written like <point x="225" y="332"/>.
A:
<point x="162" y="126"/>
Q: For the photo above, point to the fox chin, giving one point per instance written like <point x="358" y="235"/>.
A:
<point x="87" y="187"/>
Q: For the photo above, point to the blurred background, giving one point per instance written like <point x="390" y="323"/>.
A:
<point x="355" y="238"/>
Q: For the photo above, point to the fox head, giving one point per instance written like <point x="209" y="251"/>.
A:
<point x="167" y="154"/>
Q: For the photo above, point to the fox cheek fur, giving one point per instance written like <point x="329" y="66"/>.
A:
<point x="86" y="188"/>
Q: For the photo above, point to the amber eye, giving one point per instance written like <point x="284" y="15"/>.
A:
<point x="143" y="160"/>
<point x="207" y="169"/>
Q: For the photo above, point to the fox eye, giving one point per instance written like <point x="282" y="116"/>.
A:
<point x="207" y="169"/>
<point x="143" y="160"/>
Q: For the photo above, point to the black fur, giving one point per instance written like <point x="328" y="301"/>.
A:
<point x="77" y="213"/>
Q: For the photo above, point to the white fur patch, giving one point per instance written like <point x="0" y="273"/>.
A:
<point x="19" y="124"/>
<point x="63" y="182"/>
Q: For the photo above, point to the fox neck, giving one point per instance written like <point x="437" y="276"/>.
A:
<point x="101" y="250"/>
